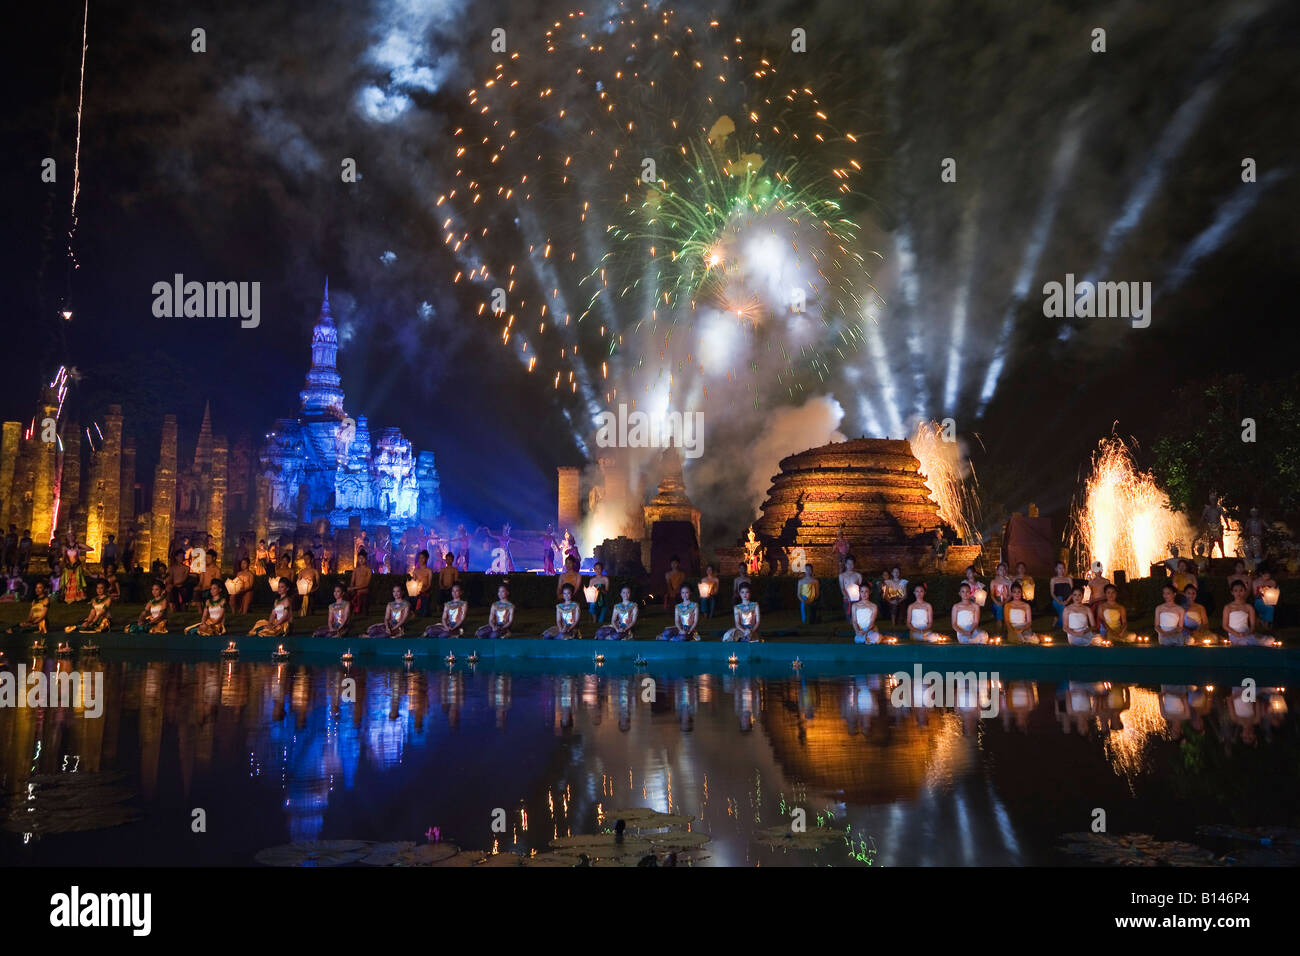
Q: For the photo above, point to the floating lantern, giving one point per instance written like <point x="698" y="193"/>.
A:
<point x="38" y="646"/>
<point x="599" y="659"/>
<point x="450" y="659"/>
<point x="1047" y="638"/>
<point x="592" y="592"/>
<point x="304" y="586"/>
<point x="706" y="589"/>
<point x="852" y="591"/>
<point x="796" y="663"/>
<point x="1027" y="588"/>
<point x="280" y="654"/>
<point x="347" y="656"/>
<point x="274" y="582"/>
<point x="981" y="595"/>
<point x="89" y="650"/>
<point x="64" y="649"/>
<point x="230" y="650"/>
<point x="733" y="660"/>
<point x="640" y="661"/>
<point x="413" y="587"/>
<point x="409" y="656"/>
<point x="473" y="658"/>
<point x="1270" y="595"/>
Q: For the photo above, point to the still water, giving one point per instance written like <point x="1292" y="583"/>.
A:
<point x="278" y="753"/>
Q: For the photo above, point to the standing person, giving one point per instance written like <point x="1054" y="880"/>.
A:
<point x="740" y="580"/>
<point x="674" y="578"/>
<point x="850" y="585"/>
<point x="566" y="618"/>
<point x="337" y="617"/>
<point x="109" y="557"/>
<point x="11" y="546"/>
<point x="842" y="547"/>
<point x="128" y="551"/>
<point x="312" y="577"/>
<point x="686" y="617"/>
<point x="447" y="577"/>
<point x="25" y="551"/>
<point x="396" y="615"/>
<point x="1260" y="585"/>
<point x="710" y="584"/>
<point x="422" y="575"/>
<point x="597" y="608"/>
<point x="241" y="598"/>
<point x="1060" y="586"/>
<point x="1026" y="582"/>
<point x="178" y="576"/>
<point x="549" y="547"/>
<point x="745" y="617"/>
<point x="454" y="613"/>
<point x="624" y="619"/>
<point x="501" y="616"/>
<point x="894" y="591"/>
<point x="462" y="548"/>
<point x="809" y="592"/>
<point x="359" y="586"/>
<point x="209" y="574"/>
<point x="1000" y="591"/>
<point x="571" y="577"/>
<point x="262" y="565"/>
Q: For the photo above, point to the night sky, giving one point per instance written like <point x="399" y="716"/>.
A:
<point x="1126" y="165"/>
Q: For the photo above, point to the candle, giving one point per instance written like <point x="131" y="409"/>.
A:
<point x="304" y="586"/>
<point x="592" y="592"/>
<point x="706" y="589"/>
<point x="413" y="587"/>
<point x="274" y="582"/>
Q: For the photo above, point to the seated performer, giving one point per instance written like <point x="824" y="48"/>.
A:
<point x="1112" y="616"/>
<point x="600" y="582"/>
<point x="1239" y="619"/>
<point x="1019" y="617"/>
<point x="213" y="621"/>
<point x="35" y="620"/>
<point x="850" y="585"/>
<point x="566" y="618"/>
<point x="337" y="617"/>
<point x="920" y="619"/>
<point x="966" y="617"/>
<point x="686" y="617"/>
<point x="709" y="583"/>
<point x="1196" y="620"/>
<point x="809" y="592"/>
<point x="1060" y="586"/>
<point x="241" y="598"/>
<point x="454" y="613"/>
<point x="745" y="616"/>
<point x="1080" y="626"/>
<point x="359" y="587"/>
<point x="1000" y="591"/>
<point x="893" y="590"/>
<point x="1169" y="620"/>
<point x="395" y="616"/>
<point x="96" y="621"/>
<point x="153" y="619"/>
<point x="501" y="615"/>
<point x="623" y="619"/>
<point x="864" y="614"/>
<point x="277" y="625"/>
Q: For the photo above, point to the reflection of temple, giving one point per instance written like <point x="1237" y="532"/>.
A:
<point x="322" y="465"/>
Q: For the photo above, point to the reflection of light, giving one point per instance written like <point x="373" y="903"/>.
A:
<point x="1140" y="721"/>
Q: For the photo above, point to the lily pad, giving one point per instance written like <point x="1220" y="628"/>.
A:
<point x="427" y="854"/>
<point x="643" y="818"/>
<point x="385" y="854"/>
<point x="314" y="853"/>
<point x="678" y="839"/>
<point x="781" y="836"/>
<point x="1136" y="849"/>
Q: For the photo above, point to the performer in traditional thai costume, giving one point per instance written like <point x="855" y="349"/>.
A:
<point x="624" y="619"/>
<point x="461" y="542"/>
<point x="893" y="591"/>
<point x="864" y="615"/>
<point x="686" y="617"/>
<point x="1169" y="620"/>
<point x="549" y="548"/>
<point x="1000" y="592"/>
<point x="1212" y="524"/>
<point x="213" y="620"/>
<point x="739" y="581"/>
<point x="674" y="579"/>
<point x="1239" y="619"/>
<point x="965" y="618"/>
<point x="571" y="576"/>
<point x="566" y="618"/>
<point x="709" y="585"/>
<point x="72" y="581"/>
<point x="1060" y="586"/>
<point x="337" y="616"/>
<point x="501" y="616"/>
<point x="1267" y="595"/>
<point x="420" y="586"/>
<point x="1019" y="617"/>
<point x="359" y="586"/>
<point x="96" y="620"/>
<point x="1183" y="578"/>
<point x="395" y="616"/>
<point x="842" y="548"/>
<point x="809" y="592"/>
<point x="1112" y="617"/>
<point x="241" y="590"/>
<point x="1027" y="588"/>
<point x="598" y="608"/>
<point x="40" y="609"/>
<point x="454" y="613"/>
<point x="570" y="545"/>
<point x="153" y="619"/>
<point x="1080" y="625"/>
<point x="745" y="616"/>
<point x="504" y="562"/>
<point x="308" y="579"/>
<point x="1196" y="620"/>
<point x="920" y="619"/>
<point x="277" y="625"/>
<point x="850" y="585"/>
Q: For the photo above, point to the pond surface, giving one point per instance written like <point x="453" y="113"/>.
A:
<point x="280" y="753"/>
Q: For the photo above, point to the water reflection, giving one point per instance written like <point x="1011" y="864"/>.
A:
<point x="288" y="752"/>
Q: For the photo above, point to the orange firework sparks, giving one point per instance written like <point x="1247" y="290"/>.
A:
<point x="951" y="481"/>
